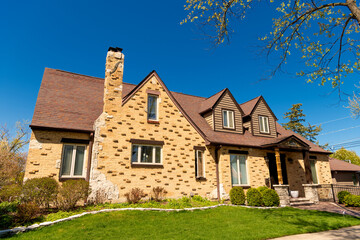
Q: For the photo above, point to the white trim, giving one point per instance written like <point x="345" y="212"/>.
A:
<point x="197" y="162"/>
<point x="238" y="170"/>
<point x="72" y="167"/>
<point x="228" y="119"/>
<point x="153" y="162"/>
<point x="263" y="123"/>
<point x="157" y="107"/>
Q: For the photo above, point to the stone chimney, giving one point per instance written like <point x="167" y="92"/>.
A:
<point x="113" y="84"/>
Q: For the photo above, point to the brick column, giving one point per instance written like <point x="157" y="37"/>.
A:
<point x="283" y="192"/>
<point x="311" y="192"/>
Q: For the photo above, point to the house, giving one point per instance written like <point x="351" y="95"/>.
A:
<point x="119" y="136"/>
<point x="344" y="173"/>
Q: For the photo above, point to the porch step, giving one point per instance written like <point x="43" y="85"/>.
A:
<point x="300" y="202"/>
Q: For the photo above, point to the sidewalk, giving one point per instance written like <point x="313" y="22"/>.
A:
<point x="343" y="233"/>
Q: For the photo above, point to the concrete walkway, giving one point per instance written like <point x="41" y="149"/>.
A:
<point x="343" y="233"/>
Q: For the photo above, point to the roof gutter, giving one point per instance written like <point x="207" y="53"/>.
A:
<point x="35" y="127"/>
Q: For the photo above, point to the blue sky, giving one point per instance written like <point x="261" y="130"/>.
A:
<point x="75" y="35"/>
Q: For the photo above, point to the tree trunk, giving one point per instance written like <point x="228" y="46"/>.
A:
<point x="351" y="4"/>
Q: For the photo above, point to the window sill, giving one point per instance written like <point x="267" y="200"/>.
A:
<point x="153" y="121"/>
<point x="61" y="179"/>
<point x="147" y="165"/>
<point x="243" y="186"/>
<point x="200" y="178"/>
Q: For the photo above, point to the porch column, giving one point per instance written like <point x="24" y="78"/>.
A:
<point x="278" y="166"/>
<point x="308" y="175"/>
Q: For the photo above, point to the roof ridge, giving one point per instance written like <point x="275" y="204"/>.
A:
<point x="217" y="93"/>
<point x="189" y="95"/>
<point x="250" y="100"/>
<point x="82" y="75"/>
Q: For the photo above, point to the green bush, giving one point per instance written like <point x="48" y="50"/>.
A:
<point x="10" y="193"/>
<point x="198" y="198"/>
<point x="270" y="198"/>
<point x="254" y="197"/>
<point x="352" y="200"/>
<point x="237" y="196"/>
<point x="262" y="189"/>
<point x="71" y="192"/>
<point x="341" y="195"/>
<point x="42" y="191"/>
<point x="7" y="210"/>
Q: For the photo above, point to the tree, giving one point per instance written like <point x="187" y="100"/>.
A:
<point x="296" y="119"/>
<point x="344" y="154"/>
<point x="324" y="32"/>
<point x="12" y="159"/>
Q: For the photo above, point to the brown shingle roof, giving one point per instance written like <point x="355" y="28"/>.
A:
<point x="339" y="165"/>
<point x="73" y="101"/>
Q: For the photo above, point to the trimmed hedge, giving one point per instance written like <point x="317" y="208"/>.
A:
<point x="254" y="197"/>
<point x="341" y="196"/>
<point x="352" y="200"/>
<point x="262" y="189"/>
<point x="270" y="198"/>
<point x="237" y="196"/>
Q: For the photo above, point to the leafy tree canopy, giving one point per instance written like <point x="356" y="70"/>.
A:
<point x="344" y="154"/>
<point x="325" y="33"/>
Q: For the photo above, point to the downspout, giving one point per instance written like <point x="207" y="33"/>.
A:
<point x="217" y="147"/>
<point x="89" y="157"/>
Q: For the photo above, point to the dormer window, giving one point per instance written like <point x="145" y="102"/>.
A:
<point x="228" y="119"/>
<point x="264" y="124"/>
<point x="152" y="110"/>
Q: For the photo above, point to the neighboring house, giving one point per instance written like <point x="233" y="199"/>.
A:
<point x="344" y="173"/>
<point x="119" y="136"/>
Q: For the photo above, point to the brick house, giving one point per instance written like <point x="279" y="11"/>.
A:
<point x="119" y="136"/>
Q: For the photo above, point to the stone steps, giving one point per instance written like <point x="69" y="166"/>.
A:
<point x="300" y="202"/>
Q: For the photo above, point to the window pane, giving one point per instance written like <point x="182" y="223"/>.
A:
<point x="200" y="164"/>
<point x="243" y="174"/>
<point x="66" y="161"/>
<point x="231" y="119"/>
<point x="146" y="154"/>
<point x="79" y="160"/>
<point x="266" y="124"/>
<point x="152" y="107"/>
<point x="225" y="119"/>
<point x="234" y="169"/>
<point x="134" y="154"/>
<point x="261" y="123"/>
<point x="157" y="154"/>
<point x="313" y="172"/>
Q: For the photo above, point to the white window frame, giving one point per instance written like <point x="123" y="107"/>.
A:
<point x="157" y="107"/>
<point x="228" y="119"/>
<point x="239" y="172"/>
<point x="197" y="163"/>
<point x="264" y="120"/>
<point x="153" y="154"/>
<point x="72" y="168"/>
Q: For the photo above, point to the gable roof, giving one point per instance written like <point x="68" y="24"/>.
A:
<point x="209" y="103"/>
<point x="73" y="102"/>
<point x="339" y="165"/>
<point x="248" y="106"/>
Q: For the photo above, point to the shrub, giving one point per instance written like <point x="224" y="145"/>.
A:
<point x="7" y="210"/>
<point x="341" y="195"/>
<point x="10" y="193"/>
<point x="158" y="193"/>
<point x="270" y="198"/>
<point x="262" y="189"/>
<point x="100" y="197"/>
<point x="41" y="191"/>
<point x="198" y="198"/>
<point x="26" y="212"/>
<point x="352" y="200"/>
<point x="135" y="195"/>
<point x="254" y="197"/>
<point x="71" y="192"/>
<point x="237" y="196"/>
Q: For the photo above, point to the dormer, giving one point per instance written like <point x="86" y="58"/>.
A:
<point x="259" y="119"/>
<point x="222" y="112"/>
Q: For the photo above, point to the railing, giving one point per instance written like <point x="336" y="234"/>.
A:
<point x="329" y="192"/>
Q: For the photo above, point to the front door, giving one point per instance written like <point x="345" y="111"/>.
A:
<point x="274" y="180"/>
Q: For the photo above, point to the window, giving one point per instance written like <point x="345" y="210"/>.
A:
<point x="142" y="154"/>
<point x="228" y="119"/>
<point x="313" y="171"/>
<point x="199" y="164"/>
<point x="152" y="110"/>
<point x="73" y="161"/>
<point x="238" y="169"/>
<point x="264" y="124"/>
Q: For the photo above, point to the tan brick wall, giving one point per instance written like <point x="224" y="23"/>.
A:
<point x="45" y="151"/>
<point x="177" y="175"/>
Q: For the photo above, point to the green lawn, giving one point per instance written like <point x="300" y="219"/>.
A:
<point x="219" y="223"/>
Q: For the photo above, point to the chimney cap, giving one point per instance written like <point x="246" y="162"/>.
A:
<point x="115" y="49"/>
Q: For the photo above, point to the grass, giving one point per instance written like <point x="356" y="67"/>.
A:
<point x="220" y="223"/>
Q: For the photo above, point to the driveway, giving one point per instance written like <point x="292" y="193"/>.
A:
<point x="343" y="233"/>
